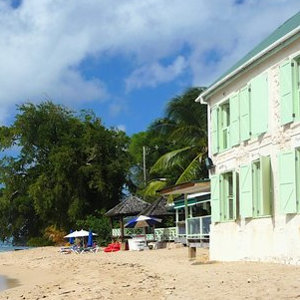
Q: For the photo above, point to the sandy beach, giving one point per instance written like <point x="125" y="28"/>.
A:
<point x="154" y="274"/>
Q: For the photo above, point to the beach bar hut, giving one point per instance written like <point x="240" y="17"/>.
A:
<point x="193" y="228"/>
<point x="130" y="206"/>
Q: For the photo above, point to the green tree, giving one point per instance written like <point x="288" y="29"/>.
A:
<point x="67" y="166"/>
<point x="155" y="146"/>
<point x="185" y="124"/>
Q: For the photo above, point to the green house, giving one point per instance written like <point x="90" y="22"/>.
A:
<point x="254" y="143"/>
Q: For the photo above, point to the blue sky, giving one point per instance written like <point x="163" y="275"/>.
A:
<point x="124" y="59"/>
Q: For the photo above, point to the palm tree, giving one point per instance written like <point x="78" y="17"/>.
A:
<point x="185" y="124"/>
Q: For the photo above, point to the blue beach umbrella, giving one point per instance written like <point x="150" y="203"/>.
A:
<point x="142" y="221"/>
<point x="71" y="239"/>
<point x="90" y="239"/>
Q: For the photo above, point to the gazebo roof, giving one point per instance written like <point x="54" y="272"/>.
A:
<point x="131" y="206"/>
<point x="157" y="208"/>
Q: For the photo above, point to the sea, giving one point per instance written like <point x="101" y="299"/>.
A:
<point x="7" y="246"/>
<point x="4" y="247"/>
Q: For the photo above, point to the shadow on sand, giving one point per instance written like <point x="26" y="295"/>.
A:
<point x="8" y="283"/>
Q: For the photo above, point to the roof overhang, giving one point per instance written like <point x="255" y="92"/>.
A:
<point x="202" y="98"/>
<point x="187" y="188"/>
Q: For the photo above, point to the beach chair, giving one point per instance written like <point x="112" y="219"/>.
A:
<point x="113" y="247"/>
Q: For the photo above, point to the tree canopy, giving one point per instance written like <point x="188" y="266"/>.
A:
<point x="177" y="144"/>
<point x="57" y="168"/>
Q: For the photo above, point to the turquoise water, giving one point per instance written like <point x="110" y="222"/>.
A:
<point x="4" y="247"/>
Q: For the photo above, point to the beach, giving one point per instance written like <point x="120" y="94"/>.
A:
<point x="44" y="273"/>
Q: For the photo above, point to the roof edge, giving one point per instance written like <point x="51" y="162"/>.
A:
<point x="202" y="97"/>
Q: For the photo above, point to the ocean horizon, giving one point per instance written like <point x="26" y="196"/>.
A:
<point x="5" y="247"/>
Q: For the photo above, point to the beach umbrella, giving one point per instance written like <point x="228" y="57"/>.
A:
<point x="142" y="221"/>
<point x="80" y="233"/>
<point x="71" y="239"/>
<point x="90" y="239"/>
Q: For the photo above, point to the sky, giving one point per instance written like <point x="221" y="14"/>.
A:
<point x="124" y="59"/>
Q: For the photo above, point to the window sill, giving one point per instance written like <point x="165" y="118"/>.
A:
<point x="258" y="217"/>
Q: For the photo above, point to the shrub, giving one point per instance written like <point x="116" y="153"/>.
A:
<point x="98" y="224"/>
<point x="39" y="242"/>
<point x="55" y="235"/>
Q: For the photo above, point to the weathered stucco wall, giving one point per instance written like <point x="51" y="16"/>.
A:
<point x="275" y="238"/>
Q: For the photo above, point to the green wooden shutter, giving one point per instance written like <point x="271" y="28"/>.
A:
<point x="287" y="182"/>
<point x="265" y="167"/>
<point x="246" y="205"/>
<point x="259" y="104"/>
<point x="214" y="130"/>
<point x="244" y="98"/>
<point x="234" y="120"/>
<point x="215" y="198"/>
<point x="286" y="93"/>
<point x="235" y="193"/>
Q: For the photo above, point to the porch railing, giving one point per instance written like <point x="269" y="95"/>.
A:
<point x="198" y="227"/>
<point x="161" y="234"/>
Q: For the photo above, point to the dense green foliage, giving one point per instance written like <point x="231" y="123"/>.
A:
<point x="100" y="224"/>
<point x="62" y="170"/>
<point x="65" y="167"/>
<point x="155" y="145"/>
<point x="177" y="144"/>
<point x="39" y="242"/>
<point x="185" y="124"/>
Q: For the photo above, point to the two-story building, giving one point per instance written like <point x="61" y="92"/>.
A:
<point x="254" y="143"/>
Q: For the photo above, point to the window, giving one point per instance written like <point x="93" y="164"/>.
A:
<point x="255" y="188"/>
<point x="224" y="120"/>
<point x="289" y="181"/>
<point x="243" y="115"/>
<point x="223" y="197"/>
<point x="227" y="196"/>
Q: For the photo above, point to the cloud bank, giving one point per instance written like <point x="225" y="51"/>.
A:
<point x="44" y="42"/>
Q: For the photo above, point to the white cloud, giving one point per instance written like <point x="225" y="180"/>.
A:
<point x="43" y="42"/>
<point x="154" y="74"/>
<point x="121" y="127"/>
<point x="115" y="109"/>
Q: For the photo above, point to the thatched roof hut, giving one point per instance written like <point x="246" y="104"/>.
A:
<point x="131" y="206"/>
<point x="157" y="209"/>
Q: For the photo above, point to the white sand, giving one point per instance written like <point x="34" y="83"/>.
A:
<point x="157" y="274"/>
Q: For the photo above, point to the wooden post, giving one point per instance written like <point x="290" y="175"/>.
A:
<point x="186" y="214"/>
<point x="111" y="226"/>
<point x="192" y="252"/>
<point x="122" y="228"/>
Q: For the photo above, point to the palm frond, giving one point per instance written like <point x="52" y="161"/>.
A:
<point x="192" y="171"/>
<point x="184" y="109"/>
<point x="190" y="134"/>
<point x="153" y="187"/>
<point x="162" y="126"/>
<point x="169" y="159"/>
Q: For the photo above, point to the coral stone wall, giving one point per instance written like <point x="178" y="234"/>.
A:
<point x="275" y="238"/>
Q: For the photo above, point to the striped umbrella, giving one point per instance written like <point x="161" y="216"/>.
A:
<point x="142" y="221"/>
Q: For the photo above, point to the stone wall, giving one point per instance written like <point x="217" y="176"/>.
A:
<point x="275" y="238"/>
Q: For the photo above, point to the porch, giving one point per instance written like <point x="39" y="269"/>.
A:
<point x="167" y="234"/>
